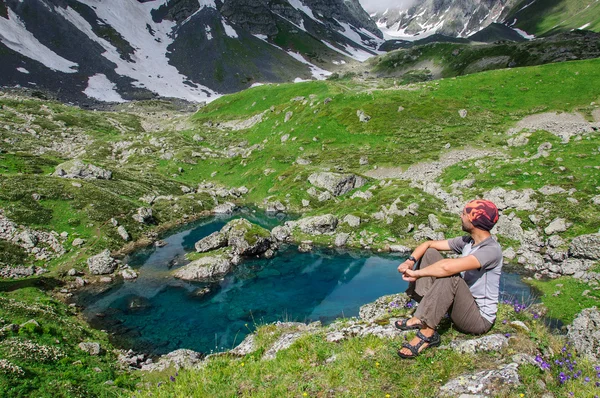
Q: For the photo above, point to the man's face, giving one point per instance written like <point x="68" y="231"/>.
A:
<point x="467" y="226"/>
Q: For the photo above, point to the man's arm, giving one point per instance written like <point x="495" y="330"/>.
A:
<point x="443" y="268"/>
<point x="440" y="245"/>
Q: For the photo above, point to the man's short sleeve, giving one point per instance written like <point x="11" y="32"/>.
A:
<point x="488" y="256"/>
<point x="457" y="244"/>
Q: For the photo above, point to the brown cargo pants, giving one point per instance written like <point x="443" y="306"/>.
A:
<point x="438" y="296"/>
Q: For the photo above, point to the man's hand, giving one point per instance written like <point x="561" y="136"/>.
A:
<point x="407" y="264"/>
<point x="409" y="275"/>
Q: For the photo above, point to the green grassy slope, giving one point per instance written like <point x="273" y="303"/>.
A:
<point x="545" y="17"/>
<point x="151" y="153"/>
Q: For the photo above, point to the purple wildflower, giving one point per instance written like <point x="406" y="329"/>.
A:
<point x="507" y="335"/>
<point x="172" y="378"/>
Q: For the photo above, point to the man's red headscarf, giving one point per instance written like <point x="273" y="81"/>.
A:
<point x="483" y="214"/>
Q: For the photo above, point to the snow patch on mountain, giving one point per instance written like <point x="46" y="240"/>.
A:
<point x="23" y="70"/>
<point x="150" y="67"/>
<point x="14" y="35"/>
<point x="318" y="73"/>
<point x="102" y="89"/>
<point x="524" y="34"/>
<point x="229" y="31"/>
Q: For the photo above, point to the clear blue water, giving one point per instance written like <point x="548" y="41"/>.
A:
<point x="157" y="313"/>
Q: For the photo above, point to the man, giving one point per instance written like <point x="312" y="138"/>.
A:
<point x="466" y="288"/>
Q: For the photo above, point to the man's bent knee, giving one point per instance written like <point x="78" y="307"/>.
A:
<point x="431" y="256"/>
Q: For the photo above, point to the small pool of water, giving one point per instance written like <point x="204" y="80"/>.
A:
<point x="157" y="313"/>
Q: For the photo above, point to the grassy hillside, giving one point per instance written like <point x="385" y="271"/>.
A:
<point x="442" y="60"/>
<point x="304" y="128"/>
<point x="545" y="17"/>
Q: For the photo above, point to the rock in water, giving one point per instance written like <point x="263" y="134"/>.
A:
<point x="102" y="263"/>
<point x="205" y="268"/>
<point x="213" y="241"/>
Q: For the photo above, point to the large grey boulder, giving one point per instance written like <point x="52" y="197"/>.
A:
<point x="557" y="225"/>
<point x="179" y="359"/>
<point x="493" y="342"/>
<point x="77" y="169"/>
<point x="586" y="246"/>
<point x="318" y="225"/>
<point x="247" y="239"/>
<point x="337" y="184"/>
<point x="102" y="263"/>
<point x="519" y="200"/>
<point x="205" y="268"/>
<point x="143" y="215"/>
<point x="487" y="382"/>
<point x="281" y="233"/>
<point x="213" y="241"/>
<point x="584" y="333"/>
<point x="91" y="348"/>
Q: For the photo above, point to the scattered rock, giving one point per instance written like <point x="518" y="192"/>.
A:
<point x="224" y="208"/>
<point x="91" y="348"/>
<point x="123" y="233"/>
<point x="281" y="233"/>
<point x="246" y="347"/>
<point x="493" y="342"/>
<point x="337" y="184"/>
<point x="362" y="116"/>
<point x="586" y="246"/>
<point x="78" y="242"/>
<point x="205" y="268"/>
<point x="557" y="225"/>
<point x="487" y="382"/>
<point x="341" y="239"/>
<point x="102" y="263"/>
<point x="462" y="113"/>
<point x="179" y="359"/>
<point x="213" y="241"/>
<point x="318" y="225"/>
<point x="380" y="307"/>
<point x="77" y="169"/>
<point x="144" y="215"/>
<point x="352" y="221"/>
<point x="584" y="333"/>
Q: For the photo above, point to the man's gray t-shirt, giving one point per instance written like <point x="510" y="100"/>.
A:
<point x="484" y="282"/>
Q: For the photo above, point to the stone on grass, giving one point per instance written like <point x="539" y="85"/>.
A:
<point x="586" y="246"/>
<point x="487" y="382"/>
<point x="78" y="242"/>
<point x="91" y="348"/>
<point x="341" y="239"/>
<point x="400" y="249"/>
<point x="380" y="307"/>
<point x="362" y="116"/>
<point x="557" y="225"/>
<point x="493" y="342"/>
<point x="284" y="342"/>
<point x="178" y="359"/>
<point x="224" y="208"/>
<point x="337" y="184"/>
<point x="123" y="233"/>
<point x="144" y="215"/>
<point x="584" y="333"/>
<point x="318" y="225"/>
<point x="246" y="347"/>
<point x="102" y="263"/>
<point x="462" y="113"/>
<point x="352" y="221"/>
<point x="78" y="169"/>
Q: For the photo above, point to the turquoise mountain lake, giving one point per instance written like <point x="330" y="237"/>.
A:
<point x="157" y="313"/>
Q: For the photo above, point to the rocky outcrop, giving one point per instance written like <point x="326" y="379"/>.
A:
<point x="78" y="169"/>
<point x="381" y="307"/>
<point x="247" y="239"/>
<point x="178" y="359"/>
<point x="492" y="342"/>
<point x="586" y="246"/>
<point x="337" y="184"/>
<point x="214" y="241"/>
<point x="205" y="268"/>
<point x="584" y="333"/>
<point x="487" y="382"/>
<point x="317" y="225"/>
<point x="102" y="263"/>
<point x="144" y="215"/>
